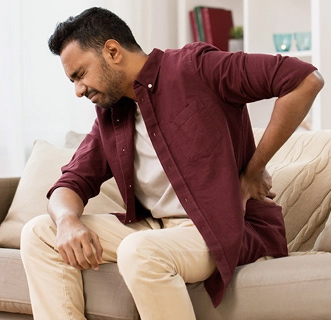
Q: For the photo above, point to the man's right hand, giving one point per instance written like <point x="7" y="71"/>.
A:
<point x="78" y="245"/>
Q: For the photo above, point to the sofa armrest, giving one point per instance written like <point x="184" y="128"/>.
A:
<point x="7" y="190"/>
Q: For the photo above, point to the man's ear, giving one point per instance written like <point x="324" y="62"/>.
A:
<point x="113" y="51"/>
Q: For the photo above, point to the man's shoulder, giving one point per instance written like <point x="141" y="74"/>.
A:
<point x="193" y="47"/>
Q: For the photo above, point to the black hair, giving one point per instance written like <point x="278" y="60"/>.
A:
<point x="91" y="29"/>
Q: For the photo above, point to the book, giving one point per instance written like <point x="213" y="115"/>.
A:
<point x="217" y="24"/>
<point x="199" y="22"/>
<point x="194" y="26"/>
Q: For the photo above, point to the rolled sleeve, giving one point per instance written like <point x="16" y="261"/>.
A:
<point x="87" y="170"/>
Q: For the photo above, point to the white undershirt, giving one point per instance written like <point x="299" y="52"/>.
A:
<point x="151" y="185"/>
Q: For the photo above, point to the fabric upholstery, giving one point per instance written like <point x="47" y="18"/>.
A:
<point x="7" y="190"/>
<point x="14" y="293"/>
<point x="301" y="173"/>
<point x="41" y="171"/>
<point x="295" y="287"/>
<point x="292" y="288"/>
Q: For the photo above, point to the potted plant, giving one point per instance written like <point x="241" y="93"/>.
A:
<point x="236" y="39"/>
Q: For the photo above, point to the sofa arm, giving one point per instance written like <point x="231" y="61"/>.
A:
<point x="7" y="190"/>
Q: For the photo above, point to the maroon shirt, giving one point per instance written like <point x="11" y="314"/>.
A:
<point x="193" y="102"/>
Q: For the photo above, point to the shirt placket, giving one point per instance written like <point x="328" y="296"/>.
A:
<point x="124" y="151"/>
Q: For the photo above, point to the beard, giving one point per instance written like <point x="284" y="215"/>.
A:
<point x="113" y="82"/>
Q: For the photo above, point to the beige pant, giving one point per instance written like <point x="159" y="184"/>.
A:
<point x="154" y="261"/>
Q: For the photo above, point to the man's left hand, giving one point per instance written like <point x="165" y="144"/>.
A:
<point x="256" y="186"/>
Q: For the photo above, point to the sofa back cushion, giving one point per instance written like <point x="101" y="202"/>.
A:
<point x="42" y="170"/>
<point x="301" y="173"/>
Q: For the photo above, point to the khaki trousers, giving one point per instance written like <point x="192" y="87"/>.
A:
<point x="155" y="257"/>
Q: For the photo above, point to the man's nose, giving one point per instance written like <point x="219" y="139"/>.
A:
<point x="80" y="89"/>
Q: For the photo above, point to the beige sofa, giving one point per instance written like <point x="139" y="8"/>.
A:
<point x="295" y="287"/>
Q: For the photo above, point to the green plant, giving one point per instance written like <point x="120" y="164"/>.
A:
<point x="237" y="32"/>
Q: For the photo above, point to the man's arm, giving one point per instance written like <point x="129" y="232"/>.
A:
<point x="79" y="246"/>
<point x="288" y="113"/>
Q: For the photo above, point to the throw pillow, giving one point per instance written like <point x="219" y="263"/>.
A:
<point x="74" y="139"/>
<point x="323" y="242"/>
<point x="41" y="171"/>
<point x="301" y="175"/>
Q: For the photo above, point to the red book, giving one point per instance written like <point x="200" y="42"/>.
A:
<point x="217" y="24"/>
<point x="194" y="26"/>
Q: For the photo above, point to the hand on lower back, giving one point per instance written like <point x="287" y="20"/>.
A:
<point x="256" y="185"/>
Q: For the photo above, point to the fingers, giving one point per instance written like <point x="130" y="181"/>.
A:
<point x="82" y="253"/>
<point x="98" y="248"/>
<point x="267" y="198"/>
<point x="271" y="195"/>
<point x="93" y="252"/>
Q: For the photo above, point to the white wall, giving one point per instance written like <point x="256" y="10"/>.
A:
<point x="11" y="122"/>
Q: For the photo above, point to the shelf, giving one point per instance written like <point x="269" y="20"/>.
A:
<point x="298" y="54"/>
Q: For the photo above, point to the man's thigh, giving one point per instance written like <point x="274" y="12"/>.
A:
<point x="178" y="244"/>
<point x="111" y="232"/>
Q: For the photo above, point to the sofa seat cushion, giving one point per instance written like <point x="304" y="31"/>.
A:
<point x="297" y="287"/>
<point x="269" y="289"/>
<point x="106" y="294"/>
<point x="14" y="292"/>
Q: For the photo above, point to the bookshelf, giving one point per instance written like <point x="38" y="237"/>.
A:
<point x="262" y="18"/>
<point x="285" y="16"/>
<point x="184" y="34"/>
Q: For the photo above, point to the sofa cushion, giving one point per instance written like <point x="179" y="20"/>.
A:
<point x="301" y="173"/>
<point x="74" y="139"/>
<point x="323" y="241"/>
<point x="41" y="171"/>
<point x="101" y="301"/>
<point x="107" y="296"/>
<point x="292" y="288"/>
<point x="14" y="293"/>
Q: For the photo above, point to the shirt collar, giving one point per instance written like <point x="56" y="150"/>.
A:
<point x="149" y="72"/>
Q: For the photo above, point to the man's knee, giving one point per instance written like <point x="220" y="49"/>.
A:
<point x="35" y="229"/>
<point x="139" y="253"/>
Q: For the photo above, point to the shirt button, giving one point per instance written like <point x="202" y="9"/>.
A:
<point x="154" y="134"/>
<point x="117" y="120"/>
<point x="185" y="199"/>
<point x="123" y="149"/>
<point x="150" y="86"/>
<point x="130" y="221"/>
<point x="130" y="185"/>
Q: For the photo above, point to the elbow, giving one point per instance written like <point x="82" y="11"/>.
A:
<point x="316" y="81"/>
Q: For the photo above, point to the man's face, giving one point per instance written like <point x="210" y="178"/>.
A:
<point x="93" y="77"/>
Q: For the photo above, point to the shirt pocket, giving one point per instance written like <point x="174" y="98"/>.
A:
<point x="195" y="132"/>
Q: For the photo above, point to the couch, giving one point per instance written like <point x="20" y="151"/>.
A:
<point x="294" y="287"/>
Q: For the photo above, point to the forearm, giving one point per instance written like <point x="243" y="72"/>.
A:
<point x="65" y="203"/>
<point x="288" y="113"/>
<point x="78" y="245"/>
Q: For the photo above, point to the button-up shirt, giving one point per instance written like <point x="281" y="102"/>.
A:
<point x="193" y="101"/>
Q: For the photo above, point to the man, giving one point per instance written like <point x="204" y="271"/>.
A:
<point x="173" y="129"/>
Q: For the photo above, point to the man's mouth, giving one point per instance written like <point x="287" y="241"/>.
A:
<point x="93" y="96"/>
